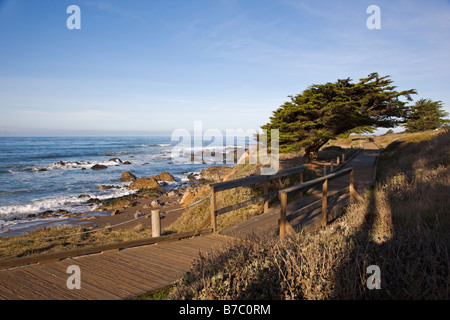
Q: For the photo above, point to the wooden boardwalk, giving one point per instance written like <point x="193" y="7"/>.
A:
<point x="111" y="275"/>
<point x="126" y="273"/>
<point x="310" y="206"/>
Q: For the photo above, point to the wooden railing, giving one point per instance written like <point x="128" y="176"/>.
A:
<point x="285" y="226"/>
<point x="243" y="182"/>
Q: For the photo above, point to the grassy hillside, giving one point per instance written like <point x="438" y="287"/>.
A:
<point x="402" y="226"/>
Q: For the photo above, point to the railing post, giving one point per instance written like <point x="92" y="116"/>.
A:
<point x="352" y="187"/>
<point x="156" y="223"/>
<point x="324" y="203"/>
<point x="338" y="161"/>
<point x="283" y="200"/>
<point x="213" y="209"/>
<point x="266" y="191"/>
<point x="331" y="166"/>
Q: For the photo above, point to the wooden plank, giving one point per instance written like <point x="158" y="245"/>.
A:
<point x="200" y="247"/>
<point x="90" y="275"/>
<point x="222" y="186"/>
<point x="155" y="273"/>
<point x="87" y="291"/>
<point x="176" y="256"/>
<point x="150" y="259"/>
<point x="51" y="288"/>
<point x="324" y="220"/>
<point x="206" y="223"/>
<point x="22" y="287"/>
<point x="266" y="191"/>
<point x="187" y="251"/>
<point x="283" y="199"/>
<point x="112" y="271"/>
<point x="289" y="230"/>
<point x="213" y="209"/>
<point x="155" y="261"/>
<point x="134" y="271"/>
<point x="55" y="256"/>
<point x="211" y="240"/>
<point x="7" y="293"/>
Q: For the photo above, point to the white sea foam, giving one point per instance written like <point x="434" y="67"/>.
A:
<point x="69" y="203"/>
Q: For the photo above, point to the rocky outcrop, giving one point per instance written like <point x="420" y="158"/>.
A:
<point x="215" y="173"/>
<point x="127" y="177"/>
<point x="98" y="167"/>
<point x="117" y="160"/>
<point x="146" y="184"/>
<point x="192" y="177"/>
<point x="106" y="187"/>
<point x="164" y="176"/>
<point x="187" y="198"/>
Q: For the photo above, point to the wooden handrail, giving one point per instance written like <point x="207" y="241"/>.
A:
<point x="247" y="181"/>
<point x="312" y="183"/>
<point x="285" y="227"/>
<point x="252" y="180"/>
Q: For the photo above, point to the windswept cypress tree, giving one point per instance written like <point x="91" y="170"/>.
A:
<point x="325" y="111"/>
<point x="426" y="115"/>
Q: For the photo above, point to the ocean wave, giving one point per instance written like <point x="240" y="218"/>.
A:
<point x="67" y="165"/>
<point x="69" y="203"/>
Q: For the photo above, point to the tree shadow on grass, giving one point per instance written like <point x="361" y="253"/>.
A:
<point x="402" y="235"/>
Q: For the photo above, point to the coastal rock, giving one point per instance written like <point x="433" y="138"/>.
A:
<point x="155" y="204"/>
<point x="115" y="160"/>
<point x="94" y="201"/>
<point x="126" y="162"/>
<point x="81" y="196"/>
<point x="115" y="212"/>
<point x="215" y="173"/>
<point x="98" y="167"/>
<point x="172" y="194"/>
<point x="145" y="184"/>
<point x="191" y="177"/>
<point x="127" y="177"/>
<point x="164" y="176"/>
<point x="187" y="198"/>
<point x="105" y="187"/>
<point x="47" y="214"/>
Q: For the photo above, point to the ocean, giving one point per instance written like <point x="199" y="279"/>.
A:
<point x="50" y="173"/>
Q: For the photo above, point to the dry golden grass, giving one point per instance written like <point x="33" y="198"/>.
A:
<point x="402" y="226"/>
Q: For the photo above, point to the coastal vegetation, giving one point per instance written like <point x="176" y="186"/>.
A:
<point x="325" y="111"/>
<point x="426" y="115"/>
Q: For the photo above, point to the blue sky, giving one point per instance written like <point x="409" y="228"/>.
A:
<point x="149" y="67"/>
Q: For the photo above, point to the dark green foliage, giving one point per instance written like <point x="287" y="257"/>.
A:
<point x="426" y="115"/>
<point x="325" y="111"/>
